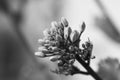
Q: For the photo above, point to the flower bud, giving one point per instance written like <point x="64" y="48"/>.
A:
<point x="39" y="54"/>
<point x="92" y="57"/>
<point x="54" y="58"/>
<point x="41" y="48"/>
<point x="47" y="45"/>
<point x="71" y="61"/>
<point x="82" y="27"/>
<point x="41" y="42"/>
<point x="64" y="22"/>
<point x="66" y="73"/>
<point x="57" y="53"/>
<point x="83" y="45"/>
<point x="53" y="28"/>
<point x="47" y="41"/>
<point x="55" y="71"/>
<point x="60" y="31"/>
<point x="67" y="32"/>
<point x="74" y="36"/>
<point x="54" y="24"/>
<point x="57" y="43"/>
<point x="53" y="31"/>
<point x="89" y="43"/>
<point x="54" y="49"/>
<point x="45" y="51"/>
<point x="72" y="56"/>
<point x="59" y="38"/>
<point x="71" y="48"/>
<point x="60" y="26"/>
<point x="65" y="65"/>
<point x="46" y="32"/>
<point x="60" y="63"/>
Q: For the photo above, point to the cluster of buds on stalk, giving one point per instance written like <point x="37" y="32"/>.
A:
<point x="61" y="44"/>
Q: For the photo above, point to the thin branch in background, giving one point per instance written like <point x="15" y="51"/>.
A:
<point x="109" y="69"/>
<point x="106" y="24"/>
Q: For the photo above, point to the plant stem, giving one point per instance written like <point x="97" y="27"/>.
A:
<point x="88" y="68"/>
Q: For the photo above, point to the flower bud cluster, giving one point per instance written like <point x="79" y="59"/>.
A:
<point x="61" y="44"/>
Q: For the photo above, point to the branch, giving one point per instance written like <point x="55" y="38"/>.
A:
<point x="88" y="68"/>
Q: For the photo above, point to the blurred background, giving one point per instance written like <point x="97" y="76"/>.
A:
<point x="23" y="21"/>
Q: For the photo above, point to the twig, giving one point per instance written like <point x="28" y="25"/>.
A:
<point x="88" y="68"/>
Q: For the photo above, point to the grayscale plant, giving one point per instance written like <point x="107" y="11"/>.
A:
<point x="62" y="45"/>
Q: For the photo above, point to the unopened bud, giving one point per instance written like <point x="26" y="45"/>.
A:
<point x="53" y="28"/>
<point x="65" y="65"/>
<point x="60" y="25"/>
<point x="54" y="49"/>
<point x="74" y="36"/>
<point x="72" y="56"/>
<point x="41" y="48"/>
<point x="55" y="71"/>
<point x="89" y="43"/>
<point x="64" y="22"/>
<point x="66" y="73"/>
<point x="46" y="32"/>
<point x="60" y="63"/>
<point x="83" y="45"/>
<point x="45" y="51"/>
<point x="60" y="31"/>
<point x="54" y="24"/>
<point x="71" y="61"/>
<point x="67" y="32"/>
<point x="47" y="45"/>
<point x="93" y="57"/>
<point x="54" y="58"/>
<point x="59" y="38"/>
<point x="71" y="48"/>
<point x="57" y="43"/>
<point x="41" y="42"/>
<point x="39" y="54"/>
<point x="82" y="27"/>
<point x="47" y="41"/>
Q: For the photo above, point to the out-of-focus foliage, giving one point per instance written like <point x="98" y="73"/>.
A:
<point x="106" y="24"/>
<point x="109" y="69"/>
<point x="108" y="27"/>
<point x="16" y="59"/>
